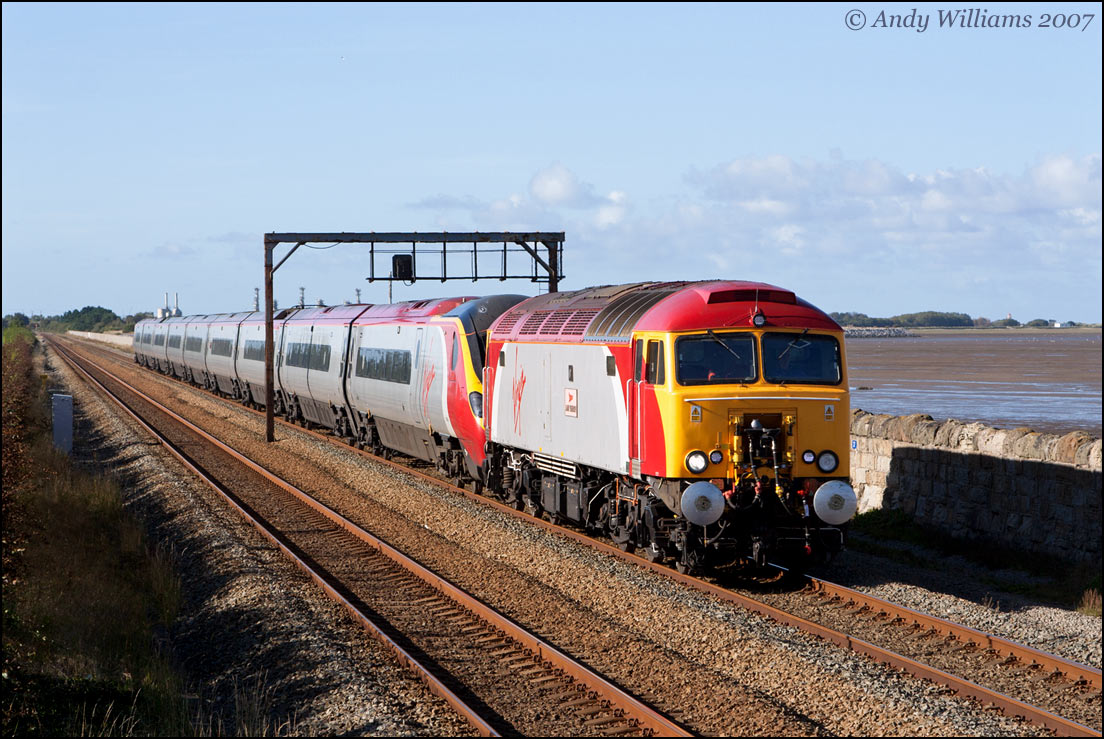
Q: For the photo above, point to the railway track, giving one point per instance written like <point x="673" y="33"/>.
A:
<point x="500" y="677"/>
<point x="1044" y="689"/>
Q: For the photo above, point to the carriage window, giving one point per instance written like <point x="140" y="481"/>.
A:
<point x="159" y="340"/>
<point x="298" y="355"/>
<point x="254" y="350"/>
<point x="801" y="359"/>
<point x="639" y="360"/>
<point x="714" y="358"/>
<point x="455" y="352"/>
<point x="320" y="357"/>
<point x="389" y="365"/>
<point x="222" y="347"/>
<point x="193" y="344"/>
<point x="174" y="341"/>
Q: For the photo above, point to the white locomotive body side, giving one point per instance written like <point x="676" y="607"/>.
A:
<point x="547" y="391"/>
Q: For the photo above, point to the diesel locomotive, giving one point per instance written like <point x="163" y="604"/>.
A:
<point x="701" y="422"/>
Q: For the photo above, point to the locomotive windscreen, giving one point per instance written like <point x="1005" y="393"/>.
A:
<point x="801" y="359"/>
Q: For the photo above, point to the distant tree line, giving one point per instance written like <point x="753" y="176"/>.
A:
<point x="905" y="320"/>
<point x="89" y="318"/>
<point x="937" y="319"/>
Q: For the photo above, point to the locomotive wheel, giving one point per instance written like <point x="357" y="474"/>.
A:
<point x="623" y="538"/>
<point x="691" y="563"/>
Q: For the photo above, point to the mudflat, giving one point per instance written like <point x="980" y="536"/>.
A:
<point x="1045" y="379"/>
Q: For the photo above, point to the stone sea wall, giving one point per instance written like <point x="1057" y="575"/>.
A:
<point x="1020" y="488"/>
<point x="857" y="332"/>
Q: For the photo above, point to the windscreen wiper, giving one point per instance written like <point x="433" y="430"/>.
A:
<point x="795" y="344"/>
<point x="726" y="346"/>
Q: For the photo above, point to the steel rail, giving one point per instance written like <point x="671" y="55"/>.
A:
<point x="644" y="715"/>
<point x="1011" y="706"/>
<point x="1072" y="671"/>
<point x="434" y="684"/>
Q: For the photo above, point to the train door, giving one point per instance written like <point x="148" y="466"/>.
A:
<point x="648" y="371"/>
<point x="632" y="398"/>
<point x="354" y="391"/>
<point x="544" y="400"/>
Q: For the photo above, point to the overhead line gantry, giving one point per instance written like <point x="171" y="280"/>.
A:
<point x="404" y="268"/>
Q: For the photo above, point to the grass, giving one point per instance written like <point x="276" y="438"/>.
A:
<point x="1072" y="586"/>
<point x="1090" y="603"/>
<point x="84" y="593"/>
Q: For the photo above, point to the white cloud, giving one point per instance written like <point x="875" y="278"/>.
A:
<point x="1064" y="181"/>
<point x="558" y="186"/>
<point x="765" y="205"/>
<point x="172" y="251"/>
<point x="788" y="238"/>
<point x="613" y="211"/>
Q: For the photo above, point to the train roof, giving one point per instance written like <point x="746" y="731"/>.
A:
<point x="611" y="313"/>
<point x="415" y="308"/>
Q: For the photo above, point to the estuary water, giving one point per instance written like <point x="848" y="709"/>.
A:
<point x="1048" y="380"/>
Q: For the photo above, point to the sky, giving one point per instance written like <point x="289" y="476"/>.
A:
<point x="885" y="169"/>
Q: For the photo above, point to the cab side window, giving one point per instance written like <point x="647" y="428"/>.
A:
<point x="654" y="373"/>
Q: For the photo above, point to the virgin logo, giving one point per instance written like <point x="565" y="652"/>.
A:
<point x="427" y="382"/>
<point x="519" y="390"/>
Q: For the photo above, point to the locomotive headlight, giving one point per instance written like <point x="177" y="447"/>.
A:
<point x="716" y="456"/>
<point x="696" y="462"/>
<point x="827" y="462"/>
<point x="759" y="320"/>
<point x="476" y="402"/>
<point x="808" y="456"/>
